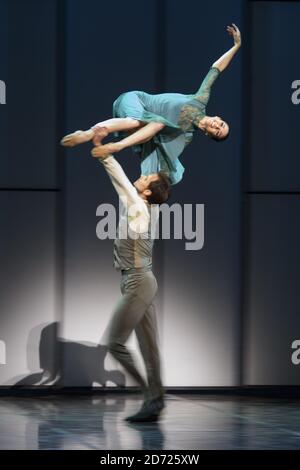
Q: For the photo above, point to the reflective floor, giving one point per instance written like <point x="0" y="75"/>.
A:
<point x="189" y="422"/>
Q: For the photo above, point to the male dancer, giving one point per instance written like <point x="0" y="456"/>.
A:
<point x="133" y="257"/>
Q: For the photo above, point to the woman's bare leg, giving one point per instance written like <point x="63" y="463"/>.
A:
<point x="101" y="130"/>
<point x="140" y="136"/>
<point x="112" y="125"/>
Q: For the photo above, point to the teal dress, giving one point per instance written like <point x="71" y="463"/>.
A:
<point x="179" y="112"/>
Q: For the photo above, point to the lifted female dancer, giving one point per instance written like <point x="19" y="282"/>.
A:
<point x="159" y="126"/>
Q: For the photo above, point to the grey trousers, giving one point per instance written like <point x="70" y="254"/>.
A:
<point x="135" y="311"/>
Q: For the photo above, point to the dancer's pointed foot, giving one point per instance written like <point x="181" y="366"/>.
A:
<point x="99" y="133"/>
<point x="78" y="137"/>
<point x="107" y="149"/>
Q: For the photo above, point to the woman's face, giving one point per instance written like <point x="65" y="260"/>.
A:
<point x="216" y="127"/>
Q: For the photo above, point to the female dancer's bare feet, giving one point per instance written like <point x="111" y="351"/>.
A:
<point x="78" y="137"/>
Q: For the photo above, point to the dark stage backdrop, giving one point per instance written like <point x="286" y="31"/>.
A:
<point x="272" y="197"/>
<point x="226" y="312"/>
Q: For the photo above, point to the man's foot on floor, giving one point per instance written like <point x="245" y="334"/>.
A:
<point x="78" y="137"/>
<point x="150" y="411"/>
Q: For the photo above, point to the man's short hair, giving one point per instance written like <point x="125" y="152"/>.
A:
<point x="160" y="189"/>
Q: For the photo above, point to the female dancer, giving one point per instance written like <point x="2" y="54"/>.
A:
<point x="159" y="126"/>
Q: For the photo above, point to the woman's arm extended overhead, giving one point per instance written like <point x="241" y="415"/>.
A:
<point x="226" y="58"/>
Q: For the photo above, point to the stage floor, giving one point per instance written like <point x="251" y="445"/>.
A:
<point x="190" y="421"/>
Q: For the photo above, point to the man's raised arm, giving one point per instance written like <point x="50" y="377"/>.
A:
<point x="138" y="214"/>
<point x="119" y="179"/>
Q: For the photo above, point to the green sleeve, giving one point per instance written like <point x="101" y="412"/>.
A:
<point x="203" y="92"/>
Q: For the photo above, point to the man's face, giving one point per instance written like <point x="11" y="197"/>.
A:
<point x="143" y="182"/>
<point x="217" y="127"/>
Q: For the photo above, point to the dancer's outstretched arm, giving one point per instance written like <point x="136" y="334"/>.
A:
<point x="137" y="212"/>
<point x="203" y="93"/>
<point x="226" y="58"/>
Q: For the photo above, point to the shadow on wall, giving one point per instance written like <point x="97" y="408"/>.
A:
<point x="85" y="362"/>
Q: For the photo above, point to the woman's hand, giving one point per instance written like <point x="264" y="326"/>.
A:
<point x="235" y="33"/>
<point x="226" y="58"/>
